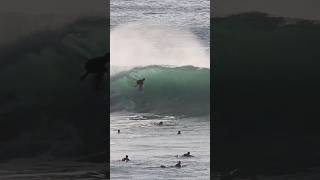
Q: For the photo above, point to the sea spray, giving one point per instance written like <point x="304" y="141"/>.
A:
<point x="174" y="63"/>
<point x="140" y="44"/>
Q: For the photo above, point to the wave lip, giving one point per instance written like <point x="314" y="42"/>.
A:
<point x="168" y="90"/>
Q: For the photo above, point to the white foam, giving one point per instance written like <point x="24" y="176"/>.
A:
<point x="143" y="44"/>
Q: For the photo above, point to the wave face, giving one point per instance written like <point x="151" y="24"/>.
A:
<point x="170" y="90"/>
<point x="266" y="93"/>
<point x="44" y="108"/>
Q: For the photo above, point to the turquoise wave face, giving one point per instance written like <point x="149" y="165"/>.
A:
<point x="167" y="90"/>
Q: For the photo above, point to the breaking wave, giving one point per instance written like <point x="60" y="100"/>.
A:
<point x="170" y="90"/>
<point x="44" y="109"/>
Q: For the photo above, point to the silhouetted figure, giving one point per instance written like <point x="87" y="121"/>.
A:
<point x="96" y="66"/>
<point x="179" y="132"/>
<point x="118" y="131"/>
<point x="126" y="158"/>
<point x="160" y="123"/>
<point x="140" y="84"/>
<point x="187" y="155"/>
<point x="178" y="164"/>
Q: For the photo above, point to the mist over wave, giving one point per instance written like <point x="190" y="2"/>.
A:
<point x="174" y="63"/>
<point x="143" y="44"/>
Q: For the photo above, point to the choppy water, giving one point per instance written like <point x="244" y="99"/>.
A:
<point x="150" y="145"/>
<point x="26" y="169"/>
<point x="188" y="14"/>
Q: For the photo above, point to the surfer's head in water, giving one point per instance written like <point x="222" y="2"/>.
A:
<point x="126" y="158"/>
<point x="178" y="164"/>
<point x="179" y="132"/>
<point x="140" y="83"/>
<point x="160" y="123"/>
<point x="118" y="130"/>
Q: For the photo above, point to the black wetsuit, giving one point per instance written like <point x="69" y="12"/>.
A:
<point x="178" y="164"/>
<point x="187" y="155"/>
<point x="140" y="84"/>
<point x="125" y="159"/>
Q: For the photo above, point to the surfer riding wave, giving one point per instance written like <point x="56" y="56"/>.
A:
<point x="140" y="83"/>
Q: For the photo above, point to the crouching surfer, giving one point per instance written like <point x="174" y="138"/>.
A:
<point x="96" y="66"/>
<point x="140" y="83"/>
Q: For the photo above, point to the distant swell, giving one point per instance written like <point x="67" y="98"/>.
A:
<point x="170" y="90"/>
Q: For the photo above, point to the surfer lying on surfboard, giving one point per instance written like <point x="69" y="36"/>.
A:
<point x="185" y="155"/>
<point x="178" y="165"/>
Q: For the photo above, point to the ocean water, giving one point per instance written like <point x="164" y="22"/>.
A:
<point x="26" y="169"/>
<point x="166" y="42"/>
<point x="149" y="146"/>
<point x="187" y="14"/>
<point x="176" y="96"/>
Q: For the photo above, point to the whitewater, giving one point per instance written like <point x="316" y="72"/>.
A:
<point x="167" y="43"/>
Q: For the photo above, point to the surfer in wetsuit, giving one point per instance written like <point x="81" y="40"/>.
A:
<point x="140" y="84"/>
<point x="178" y="164"/>
<point x="187" y="155"/>
<point x="126" y="158"/>
<point x="179" y="132"/>
<point x="96" y="66"/>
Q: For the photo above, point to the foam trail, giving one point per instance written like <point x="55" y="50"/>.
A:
<point x="143" y="44"/>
